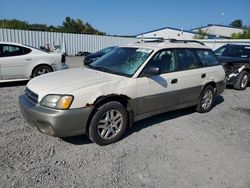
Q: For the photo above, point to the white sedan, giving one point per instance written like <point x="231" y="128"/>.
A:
<point x="21" y="62"/>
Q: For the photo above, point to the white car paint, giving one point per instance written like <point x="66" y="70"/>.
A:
<point x="86" y="85"/>
<point x="20" y="67"/>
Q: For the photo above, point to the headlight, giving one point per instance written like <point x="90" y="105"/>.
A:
<point x="61" y="102"/>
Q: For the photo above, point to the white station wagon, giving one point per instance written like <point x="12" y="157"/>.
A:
<point x="21" y="62"/>
<point x="129" y="84"/>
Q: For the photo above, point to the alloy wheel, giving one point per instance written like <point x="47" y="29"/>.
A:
<point x="244" y="81"/>
<point x="207" y="99"/>
<point x="110" y="124"/>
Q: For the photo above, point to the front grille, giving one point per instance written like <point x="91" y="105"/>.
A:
<point x="31" y="96"/>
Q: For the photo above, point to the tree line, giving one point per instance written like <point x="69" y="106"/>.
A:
<point x="246" y="32"/>
<point x="69" y="25"/>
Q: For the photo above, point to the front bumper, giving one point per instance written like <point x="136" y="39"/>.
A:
<point x="60" y="66"/>
<point x="58" y="123"/>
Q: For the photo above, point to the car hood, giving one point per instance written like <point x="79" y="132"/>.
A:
<point x="66" y="81"/>
<point x="94" y="55"/>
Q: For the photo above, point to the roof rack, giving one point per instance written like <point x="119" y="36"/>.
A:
<point x="148" y="40"/>
<point x="185" y="41"/>
<point x="159" y="40"/>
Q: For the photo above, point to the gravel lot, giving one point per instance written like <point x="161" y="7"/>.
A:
<point x="176" y="149"/>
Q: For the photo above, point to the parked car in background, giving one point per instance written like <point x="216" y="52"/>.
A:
<point x="92" y="57"/>
<point x="126" y="85"/>
<point x="236" y="62"/>
<point x="21" y="62"/>
<point x="81" y="53"/>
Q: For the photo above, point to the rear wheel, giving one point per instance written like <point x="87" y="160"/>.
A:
<point x="242" y="81"/>
<point x="206" y="100"/>
<point x="40" y="70"/>
<point x="108" y="123"/>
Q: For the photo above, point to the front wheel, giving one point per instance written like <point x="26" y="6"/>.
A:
<point x="206" y="100"/>
<point x="40" y="70"/>
<point x="242" y="81"/>
<point x="108" y="123"/>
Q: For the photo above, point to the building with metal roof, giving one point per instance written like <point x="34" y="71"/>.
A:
<point x="212" y="30"/>
<point x="221" y="31"/>
<point x="170" y="32"/>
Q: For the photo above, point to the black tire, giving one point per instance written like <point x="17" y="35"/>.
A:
<point x="201" y="107"/>
<point x="40" y="70"/>
<point x="242" y="81"/>
<point x="101" y="119"/>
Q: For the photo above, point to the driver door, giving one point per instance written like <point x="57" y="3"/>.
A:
<point x="160" y="91"/>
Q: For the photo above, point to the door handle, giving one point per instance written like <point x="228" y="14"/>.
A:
<point x="203" y="75"/>
<point x="174" y="81"/>
<point x="29" y="59"/>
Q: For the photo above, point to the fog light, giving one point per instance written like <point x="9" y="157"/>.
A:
<point x="46" y="128"/>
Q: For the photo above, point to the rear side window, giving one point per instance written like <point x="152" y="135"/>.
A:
<point x="234" y="52"/>
<point x="12" y="50"/>
<point x="207" y="57"/>
<point x="186" y="59"/>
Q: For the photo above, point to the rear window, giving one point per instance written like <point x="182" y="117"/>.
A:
<point x="207" y="57"/>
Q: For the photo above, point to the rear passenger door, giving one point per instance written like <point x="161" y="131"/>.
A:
<point x="210" y="66"/>
<point x="191" y="75"/>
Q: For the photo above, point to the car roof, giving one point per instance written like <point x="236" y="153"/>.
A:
<point x="13" y="43"/>
<point x="17" y="44"/>
<point x="238" y="45"/>
<point x="167" y="44"/>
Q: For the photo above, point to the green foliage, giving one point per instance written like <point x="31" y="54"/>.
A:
<point x="244" y="35"/>
<point x="69" y="25"/>
<point x="236" y="23"/>
<point x="201" y="34"/>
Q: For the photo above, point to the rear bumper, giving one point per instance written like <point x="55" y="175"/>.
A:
<point x="58" y="123"/>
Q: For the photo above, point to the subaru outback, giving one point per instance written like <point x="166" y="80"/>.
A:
<point x="130" y="83"/>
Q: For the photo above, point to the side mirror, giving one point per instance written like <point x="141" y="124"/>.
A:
<point x="151" y="71"/>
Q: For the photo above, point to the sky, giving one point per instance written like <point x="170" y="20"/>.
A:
<point x="129" y="17"/>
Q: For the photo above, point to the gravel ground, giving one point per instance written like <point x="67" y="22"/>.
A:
<point x="176" y="149"/>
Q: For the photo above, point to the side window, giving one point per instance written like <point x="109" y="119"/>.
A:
<point x="186" y="59"/>
<point x="26" y="50"/>
<point x="234" y="52"/>
<point x="247" y="52"/>
<point x="220" y="51"/>
<point x="11" y="50"/>
<point x="207" y="57"/>
<point x="165" y="60"/>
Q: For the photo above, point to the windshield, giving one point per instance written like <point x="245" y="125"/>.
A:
<point x="122" y="61"/>
<point x="106" y="50"/>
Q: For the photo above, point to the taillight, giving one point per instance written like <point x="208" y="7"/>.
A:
<point x="63" y="59"/>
